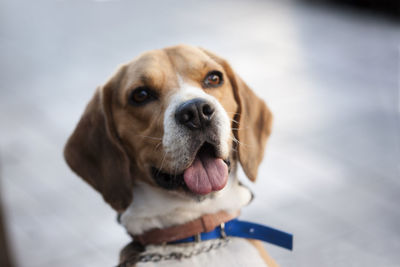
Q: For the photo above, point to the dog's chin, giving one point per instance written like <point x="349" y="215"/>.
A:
<point x="184" y="181"/>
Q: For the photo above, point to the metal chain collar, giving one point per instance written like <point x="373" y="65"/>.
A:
<point x="157" y="257"/>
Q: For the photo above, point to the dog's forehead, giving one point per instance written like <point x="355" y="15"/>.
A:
<point x="188" y="60"/>
<point x="161" y="68"/>
<point x="151" y="67"/>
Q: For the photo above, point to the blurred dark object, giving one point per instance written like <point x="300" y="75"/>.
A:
<point x="5" y="259"/>
<point x="385" y="7"/>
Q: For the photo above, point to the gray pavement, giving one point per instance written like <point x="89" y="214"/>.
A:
<point x="330" y="75"/>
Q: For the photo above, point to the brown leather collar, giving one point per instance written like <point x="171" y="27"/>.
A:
<point x="205" y="223"/>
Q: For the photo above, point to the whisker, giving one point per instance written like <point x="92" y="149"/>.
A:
<point x="235" y="141"/>
<point x="240" y="128"/>
<point x="162" y="161"/>
<point x="231" y="112"/>
<point x="157" y="146"/>
<point x="238" y="142"/>
<point x="150" y="137"/>
<point x="160" y="118"/>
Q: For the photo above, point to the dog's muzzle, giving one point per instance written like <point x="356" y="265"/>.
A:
<point x="196" y="142"/>
<point x="206" y="174"/>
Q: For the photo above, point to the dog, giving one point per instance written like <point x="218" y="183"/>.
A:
<point x="161" y="142"/>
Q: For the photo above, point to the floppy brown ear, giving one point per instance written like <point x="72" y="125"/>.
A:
<point x="94" y="152"/>
<point x="253" y="121"/>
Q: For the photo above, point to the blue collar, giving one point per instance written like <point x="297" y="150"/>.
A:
<point x="244" y="229"/>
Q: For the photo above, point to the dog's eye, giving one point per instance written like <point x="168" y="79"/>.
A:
<point x="213" y="79"/>
<point x="141" y="96"/>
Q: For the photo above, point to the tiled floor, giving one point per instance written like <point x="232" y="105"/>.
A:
<point x="331" y="76"/>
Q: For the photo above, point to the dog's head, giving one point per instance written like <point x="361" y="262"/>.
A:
<point x="177" y="118"/>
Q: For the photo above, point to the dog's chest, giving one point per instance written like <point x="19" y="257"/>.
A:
<point x="233" y="252"/>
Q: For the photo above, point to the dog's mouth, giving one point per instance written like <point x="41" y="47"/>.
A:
<point x="206" y="173"/>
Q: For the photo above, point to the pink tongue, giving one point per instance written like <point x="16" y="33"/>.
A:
<point x="206" y="174"/>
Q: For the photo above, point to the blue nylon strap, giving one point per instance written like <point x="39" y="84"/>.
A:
<point x="245" y="229"/>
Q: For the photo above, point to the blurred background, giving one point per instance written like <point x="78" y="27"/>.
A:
<point x="329" y="70"/>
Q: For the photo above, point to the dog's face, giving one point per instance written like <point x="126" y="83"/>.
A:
<point x="177" y="119"/>
<point x="173" y="114"/>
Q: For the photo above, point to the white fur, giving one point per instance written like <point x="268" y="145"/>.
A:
<point x="156" y="208"/>
<point x="176" y="138"/>
<point x="237" y="252"/>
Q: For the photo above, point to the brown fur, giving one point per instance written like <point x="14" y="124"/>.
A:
<point x="114" y="144"/>
<point x="253" y="121"/>
<point x="263" y="253"/>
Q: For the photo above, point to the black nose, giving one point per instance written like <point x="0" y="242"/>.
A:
<point x="194" y="114"/>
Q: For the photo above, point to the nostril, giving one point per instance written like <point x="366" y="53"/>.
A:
<point x="186" y="116"/>
<point x="207" y="110"/>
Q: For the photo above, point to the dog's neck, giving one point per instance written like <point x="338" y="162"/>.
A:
<point x="156" y="208"/>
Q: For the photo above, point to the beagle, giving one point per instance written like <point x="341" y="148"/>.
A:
<point x="161" y="141"/>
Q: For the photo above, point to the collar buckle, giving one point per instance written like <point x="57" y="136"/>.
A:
<point x="222" y="230"/>
<point x="197" y="238"/>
